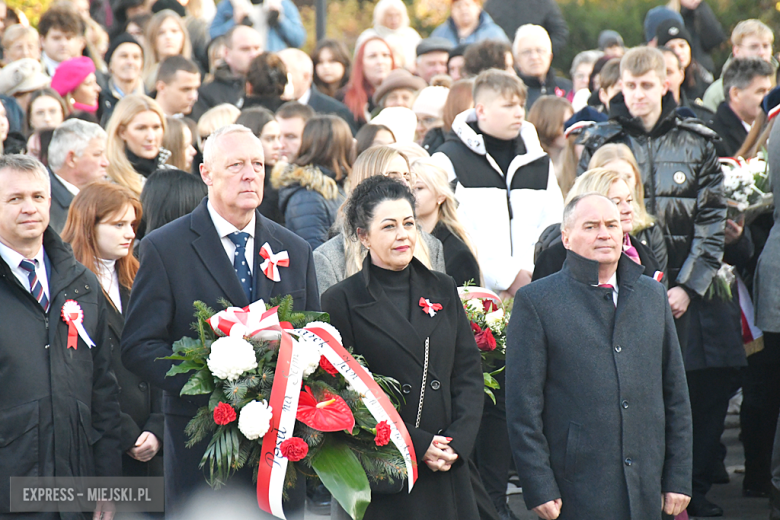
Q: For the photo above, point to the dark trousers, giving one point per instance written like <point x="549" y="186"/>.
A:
<point x="492" y="451"/>
<point x="776" y="457"/>
<point x="710" y="390"/>
<point x="760" y="407"/>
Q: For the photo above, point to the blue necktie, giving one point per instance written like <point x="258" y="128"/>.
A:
<point x="240" y="238"/>
<point x="36" y="288"/>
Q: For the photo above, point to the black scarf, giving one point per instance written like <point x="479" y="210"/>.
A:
<point x="143" y="166"/>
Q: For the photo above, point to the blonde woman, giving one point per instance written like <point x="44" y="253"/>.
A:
<point x="619" y="158"/>
<point x="166" y="36"/>
<point x="134" y="146"/>
<point x="612" y="185"/>
<point x="341" y="257"/>
<point x="437" y="214"/>
<point x="214" y="118"/>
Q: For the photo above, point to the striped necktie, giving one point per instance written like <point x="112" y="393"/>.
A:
<point x="240" y="238"/>
<point x="36" y="288"/>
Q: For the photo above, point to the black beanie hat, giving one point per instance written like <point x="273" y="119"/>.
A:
<point x="119" y="40"/>
<point x="670" y="30"/>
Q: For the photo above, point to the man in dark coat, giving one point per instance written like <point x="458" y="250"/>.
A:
<point x="242" y="44"/>
<point x="207" y="256"/>
<point x="301" y="70"/>
<point x="745" y="83"/>
<point x="533" y="54"/>
<point x="59" y="402"/>
<point x="597" y="404"/>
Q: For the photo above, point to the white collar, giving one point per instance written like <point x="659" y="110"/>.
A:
<point x="68" y="186"/>
<point x="224" y="228"/>
<point x="13" y="257"/>
<point x="49" y="64"/>
<point x="612" y="281"/>
<point x="304" y="99"/>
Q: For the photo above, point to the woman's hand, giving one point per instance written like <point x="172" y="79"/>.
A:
<point x="733" y="231"/>
<point x="439" y="456"/>
<point x="145" y="447"/>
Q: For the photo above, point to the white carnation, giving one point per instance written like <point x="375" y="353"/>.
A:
<point x="309" y="356"/>
<point x="255" y="419"/>
<point x="230" y="357"/>
<point x="495" y="319"/>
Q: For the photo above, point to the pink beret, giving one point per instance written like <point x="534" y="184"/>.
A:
<point x="71" y="73"/>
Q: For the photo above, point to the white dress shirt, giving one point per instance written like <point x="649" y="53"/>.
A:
<point x="304" y="99"/>
<point x="614" y="283"/>
<point x="225" y="228"/>
<point x="68" y="186"/>
<point x="13" y="259"/>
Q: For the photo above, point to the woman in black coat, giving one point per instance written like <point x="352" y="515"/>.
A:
<point x="612" y="185"/>
<point x="409" y="324"/>
<point x="436" y="209"/>
<point x="101" y="228"/>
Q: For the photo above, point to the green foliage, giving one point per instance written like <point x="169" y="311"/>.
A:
<point x="340" y="470"/>
<point x="200" y="426"/>
<point x="200" y="383"/>
<point x="221" y="456"/>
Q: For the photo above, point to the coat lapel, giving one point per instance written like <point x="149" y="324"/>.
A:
<point x="208" y="247"/>
<point x="262" y="286"/>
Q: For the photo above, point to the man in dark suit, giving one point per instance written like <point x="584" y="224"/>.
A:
<point x="745" y="83"/>
<point x="597" y="403"/>
<point x="211" y="254"/>
<point x="301" y="70"/>
<point x="77" y="157"/>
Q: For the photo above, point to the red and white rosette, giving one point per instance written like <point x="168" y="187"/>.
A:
<point x="286" y="389"/>
<point x="471" y="293"/>
<point x="250" y="322"/>
<point x="74" y="317"/>
<point x="273" y="261"/>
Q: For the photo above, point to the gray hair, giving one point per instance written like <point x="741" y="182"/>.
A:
<point x="24" y="163"/>
<point x="571" y="208"/>
<point x="74" y="135"/>
<point x="537" y="32"/>
<point x="210" y="147"/>
<point x="741" y="72"/>
<point x="585" y="57"/>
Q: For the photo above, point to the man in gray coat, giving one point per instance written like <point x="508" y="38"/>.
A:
<point x="597" y="404"/>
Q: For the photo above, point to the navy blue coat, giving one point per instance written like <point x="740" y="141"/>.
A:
<point x="182" y="262"/>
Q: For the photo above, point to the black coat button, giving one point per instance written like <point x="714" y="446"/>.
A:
<point x="435" y="384"/>
<point x="142" y="385"/>
<point x="628" y="461"/>
<point x="608" y="296"/>
<point x="624" y="404"/>
<point x="407" y="389"/>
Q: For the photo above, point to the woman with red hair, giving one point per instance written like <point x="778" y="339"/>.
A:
<point x="373" y="62"/>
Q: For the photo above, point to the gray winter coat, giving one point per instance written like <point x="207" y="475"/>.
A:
<point x="597" y="402"/>
<point x="331" y="266"/>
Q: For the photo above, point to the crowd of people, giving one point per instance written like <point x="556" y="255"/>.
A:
<point x="151" y="151"/>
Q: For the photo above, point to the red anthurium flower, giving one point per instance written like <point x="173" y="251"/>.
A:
<point x="475" y="328"/>
<point x="332" y="414"/>
<point x="485" y="341"/>
<point x="294" y="449"/>
<point x="383" y="432"/>
<point x="489" y="306"/>
<point x="224" y="414"/>
<point x="327" y="366"/>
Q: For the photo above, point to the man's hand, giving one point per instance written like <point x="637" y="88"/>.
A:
<point x="145" y="448"/>
<point x="733" y="231"/>
<point x="104" y="511"/>
<point x="678" y="301"/>
<point x="439" y="456"/>
<point x="675" y="503"/>
<point x="522" y="279"/>
<point x="549" y="510"/>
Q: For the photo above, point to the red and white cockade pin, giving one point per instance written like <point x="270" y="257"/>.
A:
<point x="428" y="307"/>
<point x="74" y="316"/>
<point x="273" y="261"/>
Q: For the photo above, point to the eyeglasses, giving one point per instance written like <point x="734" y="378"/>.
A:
<point x="530" y="52"/>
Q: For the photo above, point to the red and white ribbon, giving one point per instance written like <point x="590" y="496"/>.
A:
<point x="250" y="322"/>
<point x="470" y="293"/>
<point x="74" y="317"/>
<point x="429" y="308"/>
<point x="288" y="379"/>
<point x="273" y="261"/>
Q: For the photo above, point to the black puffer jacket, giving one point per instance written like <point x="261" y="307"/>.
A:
<point x="683" y="185"/>
<point x="309" y="197"/>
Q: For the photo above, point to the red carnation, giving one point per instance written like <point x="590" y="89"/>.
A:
<point x="489" y="306"/>
<point x="224" y="414"/>
<point x="475" y="328"/>
<point x="485" y="341"/>
<point x="327" y="366"/>
<point x="383" y="432"/>
<point x="294" y="449"/>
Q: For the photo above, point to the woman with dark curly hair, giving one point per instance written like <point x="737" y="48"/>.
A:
<point x="265" y="82"/>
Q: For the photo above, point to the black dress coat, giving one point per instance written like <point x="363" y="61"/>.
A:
<point x="60" y="204"/>
<point x="459" y="261"/>
<point x="59" y="406"/>
<point x="729" y="127"/>
<point x="185" y="261"/>
<point x="597" y="400"/>
<point x="453" y="398"/>
<point x="140" y="402"/>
